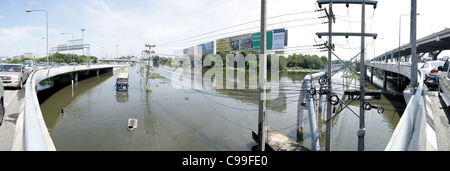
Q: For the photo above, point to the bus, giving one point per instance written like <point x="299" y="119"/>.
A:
<point x="122" y="82"/>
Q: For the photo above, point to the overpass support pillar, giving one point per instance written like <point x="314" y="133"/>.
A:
<point x="385" y="80"/>
<point x="75" y="76"/>
<point x="435" y="54"/>
<point x="392" y="57"/>
<point x="371" y="74"/>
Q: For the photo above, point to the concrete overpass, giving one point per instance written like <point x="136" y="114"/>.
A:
<point x="31" y="132"/>
<point x="433" y="44"/>
<point x="119" y="60"/>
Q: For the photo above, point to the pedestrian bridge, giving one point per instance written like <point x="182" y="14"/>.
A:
<point x="31" y="132"/>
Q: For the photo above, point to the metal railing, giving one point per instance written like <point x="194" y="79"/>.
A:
<point x="409" y="134"/>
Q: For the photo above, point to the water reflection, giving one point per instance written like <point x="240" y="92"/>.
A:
<point x="122" y="96"/>
<point x="193" y="119"/>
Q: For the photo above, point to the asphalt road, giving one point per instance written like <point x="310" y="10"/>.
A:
<point x="14" y="105"/>
<point x="441" y="121"/>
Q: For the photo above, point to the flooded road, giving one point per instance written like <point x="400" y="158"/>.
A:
<point x="95" y="116"/>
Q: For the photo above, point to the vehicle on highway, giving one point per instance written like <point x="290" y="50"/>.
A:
<point x="444" y="82"/>
<point x="13" y="75"/>
<point x="122" y="82"/>
<point x="430" y="70"/>
<point x="2" y="104"/>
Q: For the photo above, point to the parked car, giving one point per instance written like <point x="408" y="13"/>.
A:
<point x="2" y="104"/>
<point x="13" y="75"/>
<point x="444" y="82"/>
<point x="430" y="68"/>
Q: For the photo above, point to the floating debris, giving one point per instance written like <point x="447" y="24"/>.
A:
<point x="132" y="124"/>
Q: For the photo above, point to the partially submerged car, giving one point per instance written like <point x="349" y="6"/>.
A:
<point x="13" y="75"/>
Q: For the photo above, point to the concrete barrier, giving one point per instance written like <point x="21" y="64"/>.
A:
<point x="35" y="135"/>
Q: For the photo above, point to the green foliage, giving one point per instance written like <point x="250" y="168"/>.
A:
<point x="306" y="61"/>
<point x="68" y="58"/>
<point x="292" y="61"/>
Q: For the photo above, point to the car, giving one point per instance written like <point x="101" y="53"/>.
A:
<point x="444" y="82"/>
<point x="13" y="75"/>
<point x="430" y="68"/>
<point x="2" y="104"/>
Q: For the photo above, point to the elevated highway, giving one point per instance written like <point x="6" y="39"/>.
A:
<point x="416" y="129"/>
<point x="31" y="133"/>
<point x="433" y="44"/>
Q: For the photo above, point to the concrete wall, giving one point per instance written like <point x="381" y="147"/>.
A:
<point x="35" y="136"/>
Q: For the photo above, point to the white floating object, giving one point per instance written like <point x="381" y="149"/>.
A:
<point x="132" y="124"/>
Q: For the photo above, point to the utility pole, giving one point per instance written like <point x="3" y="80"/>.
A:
<point x="362" y="127"/>
<point x="330" y="45"/>
<point x="414" y="60"/>
<point x="262" y="133"/>
<point x="363" y="34"/>
<point x="148" y="61"/>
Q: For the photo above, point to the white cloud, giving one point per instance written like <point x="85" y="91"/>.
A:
<point x="10" y="36"/>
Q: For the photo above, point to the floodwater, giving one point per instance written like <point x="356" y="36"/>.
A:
<point x="95" y="115"/>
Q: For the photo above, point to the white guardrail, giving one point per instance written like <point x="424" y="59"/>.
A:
<point x="410" y="132"/>
<point x="35" y="132"/>
<point x="34" y="135"/>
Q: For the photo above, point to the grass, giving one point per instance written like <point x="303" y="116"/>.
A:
<point x="154" y="76"/>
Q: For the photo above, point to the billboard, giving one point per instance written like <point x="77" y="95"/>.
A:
<point x="223" y="45"/>
<point x="257" y="41"/>
<point x="207" y="47"/>
<point x="241" y="43"/>
<point x="278" y="39"/>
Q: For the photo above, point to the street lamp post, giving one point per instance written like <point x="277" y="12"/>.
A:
<point x="46" y="22"/>
<point x="400" y="33"/>
<point x="82" y="37"/>
<point x="37" y="47"/>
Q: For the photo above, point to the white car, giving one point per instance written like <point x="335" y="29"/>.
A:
<point x="430" y="68"/>
<point x="2" y="104"/>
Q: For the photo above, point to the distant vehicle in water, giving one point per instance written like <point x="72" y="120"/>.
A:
<point x="122" y="82"/>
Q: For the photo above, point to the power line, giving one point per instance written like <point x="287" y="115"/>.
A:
<point x="254" y="21"/>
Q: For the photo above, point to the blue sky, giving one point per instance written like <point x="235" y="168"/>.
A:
<point x="133" y="23"/>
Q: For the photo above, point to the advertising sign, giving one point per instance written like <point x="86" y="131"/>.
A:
<point x="241" y="43"/>
<point x="257" y="41"/>
<point x="208" y="48"/>
<point x="278" y="39"/>
<point x="223" y="45"/>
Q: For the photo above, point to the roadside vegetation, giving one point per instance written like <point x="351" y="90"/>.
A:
<point x="293" y="62"/>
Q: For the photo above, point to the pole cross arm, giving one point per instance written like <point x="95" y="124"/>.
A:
<point x="374" y="35"/>
<point x="347" y="2"/>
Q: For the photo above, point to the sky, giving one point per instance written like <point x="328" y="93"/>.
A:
<point x="131" y="24"/>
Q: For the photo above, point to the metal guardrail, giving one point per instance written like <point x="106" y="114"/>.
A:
<point x="409" y="134"/>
